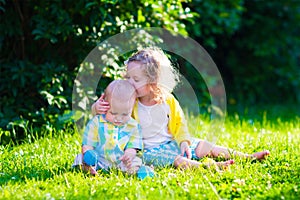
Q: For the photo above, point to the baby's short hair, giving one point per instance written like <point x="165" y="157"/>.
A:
<point x="120" y="90"/>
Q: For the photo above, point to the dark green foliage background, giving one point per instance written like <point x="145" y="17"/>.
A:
<point x="255" y="44"/>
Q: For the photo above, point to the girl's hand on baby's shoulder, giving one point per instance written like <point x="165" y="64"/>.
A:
<point x="100" y="106"/>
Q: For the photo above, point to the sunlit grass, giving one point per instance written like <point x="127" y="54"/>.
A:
<point x="41" y="169"/>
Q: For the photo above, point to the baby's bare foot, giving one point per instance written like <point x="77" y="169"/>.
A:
<point x="261" y="155"/>
<point x="89" y="169"/>
<point x="93" y="171"/>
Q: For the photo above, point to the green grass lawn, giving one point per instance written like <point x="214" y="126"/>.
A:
<point x="41" y="169"/>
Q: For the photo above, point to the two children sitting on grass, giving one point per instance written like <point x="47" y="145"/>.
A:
<point x="163" y="127"/>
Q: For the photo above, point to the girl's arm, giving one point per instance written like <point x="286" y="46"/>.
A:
<point x="177" y="123"/>
<point x="178" y="126"/>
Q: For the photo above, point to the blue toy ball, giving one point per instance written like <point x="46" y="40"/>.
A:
<point x="90" y="157"/>
<point x="144" y="172"/>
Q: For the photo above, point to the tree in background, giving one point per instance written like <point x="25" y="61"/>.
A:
<point x="256" y="46"/>
<point x="42" y="44"/>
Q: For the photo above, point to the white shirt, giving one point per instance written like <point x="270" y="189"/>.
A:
<point x="154" y="123"/>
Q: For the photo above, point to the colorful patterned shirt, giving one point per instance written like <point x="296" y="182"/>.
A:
<point x="111" y="141"/>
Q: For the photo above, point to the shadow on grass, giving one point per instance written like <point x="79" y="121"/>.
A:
<point x="44" y="174"/>
<point x="33" y="173"/>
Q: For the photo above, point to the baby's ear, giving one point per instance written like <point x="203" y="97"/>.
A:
<point x="105" y="98"/>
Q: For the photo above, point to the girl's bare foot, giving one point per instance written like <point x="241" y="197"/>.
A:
<point x="225" y="163"/>
<point x="260" y="155"/>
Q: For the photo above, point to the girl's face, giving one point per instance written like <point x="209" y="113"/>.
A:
<point x="137" y="78"/>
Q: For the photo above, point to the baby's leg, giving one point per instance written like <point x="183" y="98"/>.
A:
<point x="205" y="148"/>
<point x="90" y="159"/>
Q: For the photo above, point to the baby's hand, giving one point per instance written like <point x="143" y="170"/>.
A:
<point x="100" y="106"/>
<point x="184" y="148"/>
<point x="128" y="156"/>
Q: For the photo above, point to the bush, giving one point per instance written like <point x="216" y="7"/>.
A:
<point x="42" y="44"/>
